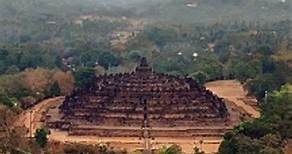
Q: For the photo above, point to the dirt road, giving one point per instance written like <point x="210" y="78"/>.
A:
<point x="133" y="143"/>
<point x="288" y="148"/>
<point x="128" y="143"/>
<point x="230" y="90"/>
<point x="35" y="114"/>
<point x="233" y="91"/>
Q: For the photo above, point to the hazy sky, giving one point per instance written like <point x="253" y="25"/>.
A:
<point x="172" y="10"/>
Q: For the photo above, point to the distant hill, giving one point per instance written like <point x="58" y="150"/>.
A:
<point x="162" y="10"/>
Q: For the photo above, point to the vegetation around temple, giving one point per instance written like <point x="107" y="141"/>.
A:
<point x="49" y="48"/>
<point x="266" y="134"/>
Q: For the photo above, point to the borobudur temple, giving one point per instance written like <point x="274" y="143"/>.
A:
<point x="129" y="104"/>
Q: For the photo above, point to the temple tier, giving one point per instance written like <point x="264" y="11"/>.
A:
<point x="123" y="104"/>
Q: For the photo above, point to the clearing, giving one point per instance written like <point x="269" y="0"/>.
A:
<point x="230" y="90"/>
<point x="234" y="92"/>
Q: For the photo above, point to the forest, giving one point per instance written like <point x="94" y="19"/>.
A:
<point x="49" y="48"/>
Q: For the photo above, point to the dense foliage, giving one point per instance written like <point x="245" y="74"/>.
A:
<point x="41" y="137"/>
<point x="47" y="48"/>
<point x="26" y="88"/>
<point x="267" y="134"/>
<point x="90" y="149"/>
<point x="173" y="149"/>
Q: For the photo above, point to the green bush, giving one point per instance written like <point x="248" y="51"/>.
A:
<point x="41" y="137"/>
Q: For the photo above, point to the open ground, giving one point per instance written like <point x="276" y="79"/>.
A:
<point x="232" y="91"/>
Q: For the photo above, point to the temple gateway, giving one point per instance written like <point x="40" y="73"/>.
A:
<point x="142" y="103"/>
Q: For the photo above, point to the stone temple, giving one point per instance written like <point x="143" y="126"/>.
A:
<point x="142" y="103"/>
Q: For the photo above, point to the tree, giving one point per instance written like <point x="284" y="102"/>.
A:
<point x="3" y="67"/>
<point x="65" y="81"/>
<point x="30" y="60"/>
<point x="278" y="110"/>
<point x="134" y="56"/>
<point x="243" y="71"/>
<point x="161" y="35"/>
<point x="37" y="80"/>
<point x="200" y="77"/>
<point x="84" y="76"/>
<point x="213" y="70"/>
<point x="173" y="149"/>
<point x="198" y="151"/>
<point x="88" y="149"/>
<point x="12" y="140"/>
<point x="262" y="83"/>
<point x="240" y="144"/>
<point x="107" y="60"/>
<point x="58" y="62"/>
<point x="268" y="65"/>
<point x="4" y="99"/>
<point x="12" y="70"/>
<point x="41" y="137"/>
<point x="264" y="50"/>
<point x="55" y="90"/>
<point x="266" y="134"/>
<point x="88" y="59"/>
<point x="255" y="129"/>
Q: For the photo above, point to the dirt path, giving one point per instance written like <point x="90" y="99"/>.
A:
<point x="230" y="90"/>
<point x="36" y="113"/>
<point x="233" y="91"/>
<point x="132" y="143"/>
<point x="288" y="148"/>
<point x="129" y="143"/>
